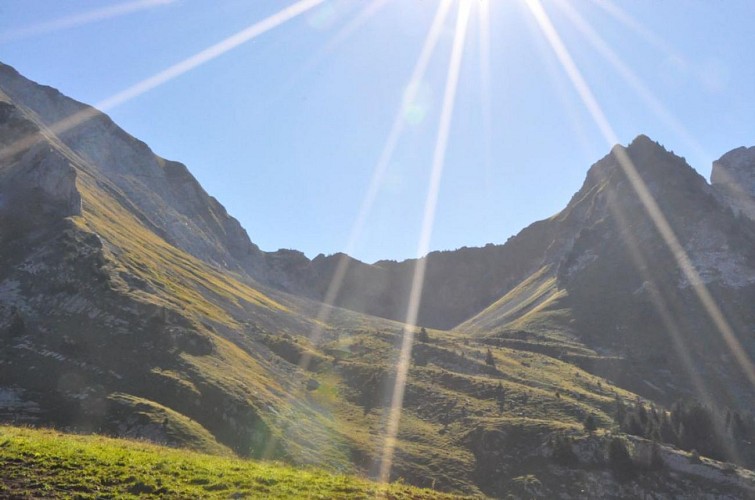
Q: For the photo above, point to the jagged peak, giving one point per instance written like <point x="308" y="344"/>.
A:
<point x="649" y="158"/>
<point x="643" y="141"/>
<point x="643" y="148"/>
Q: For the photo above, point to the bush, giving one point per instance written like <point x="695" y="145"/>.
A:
<point x="489" y="359"/>
<point x="590" y="424"/>
<point x="619" y="459"/>
<point x="423" y="336"/>
<point x="563" y="452"/>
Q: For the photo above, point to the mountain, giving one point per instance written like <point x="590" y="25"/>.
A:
<point x="160" y="194"/>
<point x="733" y="179"/>
<point x="110" y="322"/>
<point x="666" y="286"/>
<point x="132" y="304"/>
<point x="606" y="274"/>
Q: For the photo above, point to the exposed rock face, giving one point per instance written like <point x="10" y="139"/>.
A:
<point x="606" y="213"/>
<point x="702" y="225"/>
<point x="733" y="178"/>
<point x="162" y="194"/>
<point x="38" y="183"/>
<point x="115" y="318"/>
<point x="46" y="179"/>
<point x="87" y="307"/>
<point x="629" y="284"/>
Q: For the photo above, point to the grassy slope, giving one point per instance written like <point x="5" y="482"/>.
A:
<point x="41" y="463"/>
<point x="447" y="397"/>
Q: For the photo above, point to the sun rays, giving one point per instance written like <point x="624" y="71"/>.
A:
<point x="378" y="174"/>
<point x="81" y="19"/>
<point x="459" y="34"/>
<point x="643" y="193"/>
<point x="431" y="204"/>
<point x="626" y="73"/>
<point x="161" y="78"/>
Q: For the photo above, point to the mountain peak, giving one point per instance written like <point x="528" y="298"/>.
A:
<point x="640" y="144"/>
<point x="658" y="167"/>
<point x="643" y="141"/>
<point x="162" y="194"/>
<point x="643" y="148"/>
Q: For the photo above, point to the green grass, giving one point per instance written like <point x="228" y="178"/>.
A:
<point x="45" y="463"/>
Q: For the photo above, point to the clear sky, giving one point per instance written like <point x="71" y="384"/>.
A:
<point x="286" y="123"/>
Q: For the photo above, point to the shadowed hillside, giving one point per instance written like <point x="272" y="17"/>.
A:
<point x="132" y="304"/>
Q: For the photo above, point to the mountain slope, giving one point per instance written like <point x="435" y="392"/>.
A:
<point x="619" y="288"/>
<point x="733" y="179"/>
<point x="161" y="194"/>
<point x="108" y="326"/>
<point x="116" y="317"/>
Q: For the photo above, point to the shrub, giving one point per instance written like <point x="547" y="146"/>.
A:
<point x="619" y="459"/>
<point x="423" y="336"/>
<point x="489" y="359"/>
<point x="563" y="452"/>
<point x="590" y="424"/>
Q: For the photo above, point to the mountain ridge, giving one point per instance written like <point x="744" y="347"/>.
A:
<point x="115" y="317"/>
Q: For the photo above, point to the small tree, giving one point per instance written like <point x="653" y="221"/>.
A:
<point x="619" y="459"/>
<point x="590" y="424"/>
<point x="423" y="336"/>
<point x="621" y="411"/>
<point x="500" y="396"/>
<point x="489" y="359"/>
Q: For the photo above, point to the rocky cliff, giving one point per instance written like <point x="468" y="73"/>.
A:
<point x="733" y="178"/>
<point x="160" y="193"/>
<point x="131" y="303"/>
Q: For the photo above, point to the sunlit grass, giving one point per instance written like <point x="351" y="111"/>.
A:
<point x="41" y="463"/>
<point x="148" y="256"/>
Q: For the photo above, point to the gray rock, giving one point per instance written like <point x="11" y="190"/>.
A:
<point x="733" y="179"/>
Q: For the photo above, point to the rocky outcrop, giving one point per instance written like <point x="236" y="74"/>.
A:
<point x="733" y="178"/>
<point x="44" y="183"/>
<point x="37" y="182"/>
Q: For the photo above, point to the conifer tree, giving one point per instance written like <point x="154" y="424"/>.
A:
<point x="489" y="359"/>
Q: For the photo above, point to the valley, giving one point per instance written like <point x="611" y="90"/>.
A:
<point x="133" y="305"/>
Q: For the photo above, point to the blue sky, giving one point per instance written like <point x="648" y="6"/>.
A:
<point x="287" y="128"/>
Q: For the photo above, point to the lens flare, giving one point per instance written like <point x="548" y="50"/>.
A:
<point x="640" y="30"/>
<point x="652" y="102"/>
<point x="643" y="193"/>
<point x="439" y="156"/>
<point x="165" y="76"/>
